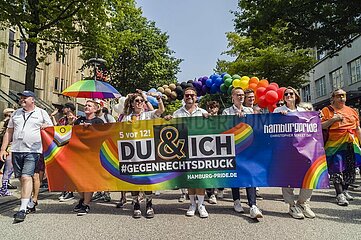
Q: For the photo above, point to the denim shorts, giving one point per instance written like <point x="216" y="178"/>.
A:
<point x="24" y="163"/>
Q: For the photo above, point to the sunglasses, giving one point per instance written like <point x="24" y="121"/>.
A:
<point x="289" y="93"/>
<point x="280" y="104"/>
<point x="138" y="100"/>
<point x="189" y="95"/>
<point x="340" y="95"/>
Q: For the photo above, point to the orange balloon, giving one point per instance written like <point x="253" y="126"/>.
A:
<point x="263" y="83"/>
<point x="253" y="86"/>
<point x="254" y="80"/>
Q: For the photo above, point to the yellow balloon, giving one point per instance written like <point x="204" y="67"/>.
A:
<point x="236" y="83"/>
<point x="245" y="78"/>
<point x="161" y="89"/>
<point x="172" y="86"/>
<point x="244" y="84"/>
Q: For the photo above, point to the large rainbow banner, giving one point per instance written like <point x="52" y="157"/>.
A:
<point x="264" y="150"/>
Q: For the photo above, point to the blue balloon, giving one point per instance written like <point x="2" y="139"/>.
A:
<point x="152" y="90"/>
<point x="215" y="76"/>
<point x="214" y="89"/>
<point x="218" y="81"/>
<point x="209" y="82"/>
<point x="222" y="75"/>
<point x="152" y="101"/>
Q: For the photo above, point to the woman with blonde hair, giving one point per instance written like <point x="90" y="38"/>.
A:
<point x="301" y="208"/>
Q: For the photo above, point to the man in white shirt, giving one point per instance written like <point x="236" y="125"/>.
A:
<point x="24" y="133"/>
<point x="190" y="109"/>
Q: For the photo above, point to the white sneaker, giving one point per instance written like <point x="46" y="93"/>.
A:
<point x="306" y="210"/>
<point x="202" y="211"/>
<point x="296" y="212"/>
<point x="237" y="206"/>
<point x="157" y="193"/>
<point x="341" y="200"/>
<point x="255" y="212"/>
<point x="191" y="211"/>
<point x="212" y="199"/>
<point x="347" y="195"/>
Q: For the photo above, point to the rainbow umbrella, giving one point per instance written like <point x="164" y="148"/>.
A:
<point x="91" y="89"/>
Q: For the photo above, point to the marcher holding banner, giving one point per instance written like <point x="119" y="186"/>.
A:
<point x="91" y="109"/>
<point x="135" y="111"/>
<point x="238" y="109"/>
<point x="190" y="109"/>
<point x="301" y="208"/>
<point x="343" y="144"/>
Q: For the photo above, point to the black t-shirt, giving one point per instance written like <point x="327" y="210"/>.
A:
<point x="95" y="120"/>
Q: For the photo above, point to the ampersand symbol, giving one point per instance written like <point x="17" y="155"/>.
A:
<point x="170" y="146"/>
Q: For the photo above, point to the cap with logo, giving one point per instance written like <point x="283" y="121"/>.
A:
<point x="27" y="93"/>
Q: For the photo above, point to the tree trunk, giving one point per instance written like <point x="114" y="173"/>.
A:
<point x="31" y="64"/>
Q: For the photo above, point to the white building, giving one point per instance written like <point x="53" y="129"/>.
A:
<point x="339" y="70"/>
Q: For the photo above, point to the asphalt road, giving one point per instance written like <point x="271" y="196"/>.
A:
<point x="54" y="220"/>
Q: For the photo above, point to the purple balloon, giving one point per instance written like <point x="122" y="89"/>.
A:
<point x="204" y="90"/>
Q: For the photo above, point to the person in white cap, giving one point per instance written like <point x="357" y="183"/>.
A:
<point x="24" y="132"/>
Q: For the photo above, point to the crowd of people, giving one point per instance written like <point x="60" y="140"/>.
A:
<point x="21" y="149"/>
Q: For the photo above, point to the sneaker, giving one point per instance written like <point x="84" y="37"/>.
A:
<point x="202" y="211"/>
<point x="97" y="196"/>
<point x="68" y="196"/>
<point x="19" y="216"/>
<point x="237" y="206"/>
<point x="255" y="212"/>
<point x="191" y="210"/>
<point x="347" y="195"/>
<point x="84" y="210"/>
<point x="182" y="198"/>
<point x="212" y="199"/>
<point x="106" y="197"/>
<point x="79" y="205"/>
<point x="341" y="200"/>
<point x="137" y="213"/>
<point x="258" y="195"/>
<point x="157" y="193"/>
<point x="296" y="212"/>
<point x="220" y="194"/>
<point x="62" y="196"/>
<point x="121" y="203"/>
<point x="306" y="210"/>
<point x="10" y="186"/>
<point x="30" y="210"/>
<point x="5" y="193"/>
<point x="149" y="212"/>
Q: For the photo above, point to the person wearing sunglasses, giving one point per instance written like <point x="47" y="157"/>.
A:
<point x="238" y="109"/>
<point x="134" y="110"/>
<point x="343" y="144"/>
<point x="191" y="109"/>
<point x="301" y="208"/>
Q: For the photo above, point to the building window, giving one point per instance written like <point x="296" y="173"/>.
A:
<point x="306" y="93"/>
<point x="320" y="54"/>
<point x="355" y="70"/>
<point x="56" y="84"/>
<point x="11" y="42"/>
<point x="337" y="79"/>
<point x="320" y="87"/>
<point x="22" y="49"/>
<point x="62" y="85"/>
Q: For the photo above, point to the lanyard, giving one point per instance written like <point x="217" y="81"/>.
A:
<point x="25" y="120"/>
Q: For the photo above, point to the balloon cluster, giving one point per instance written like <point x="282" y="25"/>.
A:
<point x="267" y="94"/>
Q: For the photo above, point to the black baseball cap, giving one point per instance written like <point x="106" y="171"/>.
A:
<point x="69" y="105"/>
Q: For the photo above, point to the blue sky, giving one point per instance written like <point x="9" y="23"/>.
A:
<point x="197" y="31"/>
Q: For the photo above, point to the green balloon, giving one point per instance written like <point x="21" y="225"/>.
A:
<point x="236" y="76"/>
<point x="223" y="88"/>
<point x="226" y="76"/>
<point x="229" y="91"/>
<point x="228" y="81"/>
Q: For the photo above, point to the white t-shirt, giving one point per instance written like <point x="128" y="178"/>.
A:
<point x="183" y="112"/>
<point x="142" y="116"/>
<point x="28" y="124"/>
<point x="233" y="110"/>
<point x="111" y="119"/>
<point x="285" y="108"/>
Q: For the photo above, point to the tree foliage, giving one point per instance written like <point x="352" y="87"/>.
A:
<point x="269" y="59"/>
<point x="325" y="24"/>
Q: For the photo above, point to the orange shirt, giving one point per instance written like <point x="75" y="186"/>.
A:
<point x="350" y="118"/>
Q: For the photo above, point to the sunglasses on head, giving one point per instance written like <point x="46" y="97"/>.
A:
<point x="289" y="93"/>
<point x="340" y="95"/>
<point x="138" y="100"/>
<point x="189" y="95"/>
